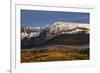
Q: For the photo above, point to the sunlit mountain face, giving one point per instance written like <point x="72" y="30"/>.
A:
<point x="67" y="26"/>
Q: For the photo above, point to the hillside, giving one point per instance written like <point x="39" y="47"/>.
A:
<point x="69" y="39"/>
<point x="62" y="39"/>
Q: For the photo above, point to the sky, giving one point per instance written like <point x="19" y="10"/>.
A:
<point x="42" y="18"/>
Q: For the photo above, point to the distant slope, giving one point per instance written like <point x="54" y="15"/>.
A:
<point x="69" y="39"/>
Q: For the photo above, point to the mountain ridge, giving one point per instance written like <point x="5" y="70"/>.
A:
<point x="70" y="33"/>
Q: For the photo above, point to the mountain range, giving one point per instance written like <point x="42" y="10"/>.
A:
<point x="72" y="33"/>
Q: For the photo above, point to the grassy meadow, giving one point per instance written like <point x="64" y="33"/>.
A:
<point x="58" y="53"/>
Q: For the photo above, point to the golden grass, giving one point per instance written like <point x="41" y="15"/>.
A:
<point x="53" y="55"/>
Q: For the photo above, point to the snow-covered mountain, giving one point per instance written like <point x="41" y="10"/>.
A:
<point x="58" y="28"/>
<point x="68" y="27"/>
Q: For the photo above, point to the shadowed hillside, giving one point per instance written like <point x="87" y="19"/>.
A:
<point x="62" y="39"/>
<point x="69" y="39"/>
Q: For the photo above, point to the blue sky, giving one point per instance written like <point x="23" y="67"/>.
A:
<point x="41" y="18"/>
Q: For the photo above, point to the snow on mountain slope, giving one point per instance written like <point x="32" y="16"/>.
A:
<point x="68" y="27"/>
<point x="58" y="28"/>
